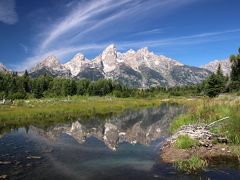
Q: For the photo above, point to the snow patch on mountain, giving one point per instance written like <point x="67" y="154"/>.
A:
<point x="140" y="68"/>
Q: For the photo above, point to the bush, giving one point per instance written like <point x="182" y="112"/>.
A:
<point x="18" y="95"/>
<point x="185" y="142"/>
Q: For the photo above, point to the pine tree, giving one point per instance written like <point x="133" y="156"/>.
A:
<point x="235" y="72"/>
<point x="221" y="78"/>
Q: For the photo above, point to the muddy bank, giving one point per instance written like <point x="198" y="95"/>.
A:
<point x="219" y="152"/>
<point x="210" y="146"/>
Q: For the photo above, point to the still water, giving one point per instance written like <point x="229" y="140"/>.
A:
<point x="125" y="146"/>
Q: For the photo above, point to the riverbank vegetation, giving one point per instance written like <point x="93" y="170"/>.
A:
<point x="43" y="112"/>
<point x="185" y="142"/>
<point x="191" y="165"/>
<point x="204" y="111"/>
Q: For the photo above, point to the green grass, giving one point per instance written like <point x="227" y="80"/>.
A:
<point x="235" y="150"/>
<point x="185" y="142"/>
<point x="205" y="110"/>
<point x="50" y="111"/>
<point x="191" y="165"/>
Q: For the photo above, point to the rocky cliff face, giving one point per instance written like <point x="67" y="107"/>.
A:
<point x="51" y="66"/>
<point x="213" y="65"/>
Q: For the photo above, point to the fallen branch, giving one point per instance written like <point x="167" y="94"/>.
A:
<point x="213" y="123"/>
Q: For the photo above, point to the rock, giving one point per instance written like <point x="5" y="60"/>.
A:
<point x="5" y="162"/>
<point x="29" y="165"/>
<point x="222" y="140"/>
<point x="34" y="157"/>
<point x="200" y="132"/>
<point x="3" y="176"/>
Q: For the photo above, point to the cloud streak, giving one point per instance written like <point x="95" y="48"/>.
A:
<point x="92" y="15"/>
<point x="80" y="28"/>
<point x="8" y="14"/>
<point x="186" y="40"/>
<point x="167" y="42"/>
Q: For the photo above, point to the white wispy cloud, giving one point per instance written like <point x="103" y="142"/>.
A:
<point x="24" y="47"/>
<point x="89" y="17"/>
<point x="79" y="17"/>
<point x="8" y="14"/>
<point x="184" y="40"/>
<point x="64" y="36"/>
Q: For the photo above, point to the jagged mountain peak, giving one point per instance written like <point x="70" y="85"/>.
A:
<point x="213" y="65"/>
<point x="79" y="55"/>
<point x="50" y="65"/>
<point x="50" y="61"/>
<point x="111" y="46"/>
<point x="141" y="68"/>
<point x="110" y="52"/>
<point x="109" y="58"/>
<point x="144" y="50"/>
<point x="3" y="68"/>
<point x="75" y="64"/>
<point x="131" y="51"/>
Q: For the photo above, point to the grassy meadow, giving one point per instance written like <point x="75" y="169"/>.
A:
<point x="55" y="110"/>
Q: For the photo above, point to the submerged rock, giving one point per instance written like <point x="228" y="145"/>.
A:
<point x="5" y="162"/>
<point x="3" y="176"/>
<point x="34" y="157"/>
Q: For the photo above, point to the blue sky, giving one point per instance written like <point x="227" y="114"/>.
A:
<point x="191" y="31"/>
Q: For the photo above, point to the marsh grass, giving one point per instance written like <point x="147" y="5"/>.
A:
<point x="191" y="165"/>
<point x="50" y="111"/>
<point x="185" y="142"/>
<point x="205" y="110"/>
<point x="235" y="150"/>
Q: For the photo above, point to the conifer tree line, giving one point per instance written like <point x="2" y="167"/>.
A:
<point x="13" y="86"/>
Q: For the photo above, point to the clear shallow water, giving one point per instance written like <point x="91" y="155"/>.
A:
<point x="121" y="147"/>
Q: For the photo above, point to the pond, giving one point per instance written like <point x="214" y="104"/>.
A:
<point x="125" y="146"/>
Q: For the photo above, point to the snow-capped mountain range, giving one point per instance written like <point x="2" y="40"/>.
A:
<point x="141" y="68"/>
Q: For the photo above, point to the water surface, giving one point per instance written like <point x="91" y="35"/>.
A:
<point x="124" y="146"/>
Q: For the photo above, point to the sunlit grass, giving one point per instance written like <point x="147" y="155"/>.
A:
<point x="47" y="111"/>
<point x="191" y="165"/>
<point x="205" y="110"/>
<point x="185" y="142"/>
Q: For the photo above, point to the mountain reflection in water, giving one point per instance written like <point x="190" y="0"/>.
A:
<point x="143" y="127"/>
<point x="124" y="146"/>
